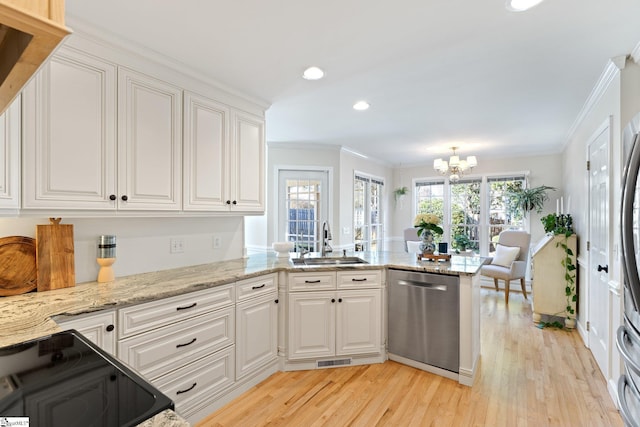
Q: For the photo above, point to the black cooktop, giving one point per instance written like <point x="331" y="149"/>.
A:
<point x="65" y="380"/>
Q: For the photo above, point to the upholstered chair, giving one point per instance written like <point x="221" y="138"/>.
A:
<point x="410" y="235"/>
<point x="509" y="261"/>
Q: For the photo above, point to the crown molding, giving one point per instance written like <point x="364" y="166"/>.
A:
<point x="612" y="69"/>
<point x="103" y="37"/>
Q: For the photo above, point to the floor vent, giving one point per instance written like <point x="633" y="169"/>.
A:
<point x="337" y="362"/>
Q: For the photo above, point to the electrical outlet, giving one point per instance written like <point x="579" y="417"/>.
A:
<point x="217" y="242"/>
<point x="176" y="246"/>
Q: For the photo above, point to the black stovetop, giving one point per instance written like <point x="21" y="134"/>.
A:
<point x="65" y="380"/>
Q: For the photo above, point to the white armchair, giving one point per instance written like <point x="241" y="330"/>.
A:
<point x="411" y="235"/>
<point x="510" y="260"/>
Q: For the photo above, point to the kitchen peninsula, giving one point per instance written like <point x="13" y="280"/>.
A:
<point x="223" y="287"/>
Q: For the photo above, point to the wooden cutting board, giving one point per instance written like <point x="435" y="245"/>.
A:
<point x="18" y="273"/>
<point x="55" y="256"/>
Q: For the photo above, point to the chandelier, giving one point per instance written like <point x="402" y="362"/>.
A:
<point x="455" y="167"/>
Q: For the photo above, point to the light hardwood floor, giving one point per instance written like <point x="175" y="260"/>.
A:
<point x="527" y="377"/>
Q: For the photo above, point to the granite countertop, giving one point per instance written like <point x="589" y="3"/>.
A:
<point x="166" y="418"/>
<point x="30" y="316"/>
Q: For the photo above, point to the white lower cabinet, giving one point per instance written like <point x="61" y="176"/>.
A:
<point x="197" y="383"/>
<point x="257" y="333"/>
<point x="343" y="322"/>
<point x="256" y="324"/>
<point x="184" y="345"/>
<point x="99" y="328"/>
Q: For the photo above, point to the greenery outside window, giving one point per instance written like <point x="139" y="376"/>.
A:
<point x="465" y="211"/>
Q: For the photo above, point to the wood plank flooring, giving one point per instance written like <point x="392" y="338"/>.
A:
<point x="527" y="377"/>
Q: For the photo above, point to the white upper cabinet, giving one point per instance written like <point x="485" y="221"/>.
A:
<point x="69" y="134"/>
<point x="247" y="162"/>
<point x="224" y="157"/>
<point x="149" y="143"/>
<point x="10" y="157"/>
<point x="206" y="150"/>
<point x="99" y="136"/>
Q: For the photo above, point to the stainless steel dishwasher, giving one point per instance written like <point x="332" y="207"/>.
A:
<point x="424" y="318"/>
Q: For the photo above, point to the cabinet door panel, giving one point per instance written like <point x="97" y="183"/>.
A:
<point x="247" y="185"/>
<point x="149" y="143"/>
<point x="311" y="325"/>
<point x="98" y="328"/>
<point x="69" y="134"/>
<point x="206" y="144"/>
<point x="256" y="338"/>
<point x="10" y="142"/>
<point x="359" y="322"/>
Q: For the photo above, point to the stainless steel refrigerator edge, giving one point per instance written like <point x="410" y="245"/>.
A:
<point x="628" y="335"/>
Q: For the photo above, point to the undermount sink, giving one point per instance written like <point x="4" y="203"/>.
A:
<point x="328" y="261"/>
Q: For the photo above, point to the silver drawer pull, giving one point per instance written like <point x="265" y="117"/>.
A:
<point x="186" y="307"/>
<point x="359" y="280"/>
<point x="189" y="343"/>
<point x="189" y="389"/>
<point x="258" y="287"/>
<point x="312" y="281"/>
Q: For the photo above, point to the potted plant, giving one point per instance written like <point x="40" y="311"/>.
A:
<point x="562" y="225"/>
<point x="399" y="192"/>
<point x="427" y="225"/>
<point x="529" y="199"/>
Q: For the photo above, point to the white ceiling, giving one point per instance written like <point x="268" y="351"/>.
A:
<point x="437" y="73"/>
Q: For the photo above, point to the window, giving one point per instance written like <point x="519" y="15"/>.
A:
<point x="303" y="200"/>
<point x="502" y="216"/>
<point x="367" y="213"/>
<point x="465" y="211"/>
<point x="430" y="199"/>
<point x="477" y="208"/>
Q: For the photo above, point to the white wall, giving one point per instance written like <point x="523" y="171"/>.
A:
<point x="543" y="170"/>
<point x="143" y="243"/>
<point x="260" y="231"/>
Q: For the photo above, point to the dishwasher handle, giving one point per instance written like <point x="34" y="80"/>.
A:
<point x="425" y="285"/>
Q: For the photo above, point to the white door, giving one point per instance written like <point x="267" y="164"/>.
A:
<point x="303" y="205"/>
<point x="359" y="322"/>
<point x="598" y="302"/>
<point x="312" y="325"/>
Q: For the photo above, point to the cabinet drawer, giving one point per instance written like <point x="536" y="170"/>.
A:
<point x="256" y="286"/>
<point x="157" y="352"/>
<point x="359" y="279"/>
<point x="197" y="382"/>
<point x="312" y="281"/>
<point x="151" y="315"/>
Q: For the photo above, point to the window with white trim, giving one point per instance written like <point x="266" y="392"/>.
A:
<point x="476" y="207"/>
<point x="368" y="233"/>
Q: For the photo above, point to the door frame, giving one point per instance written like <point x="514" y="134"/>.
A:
<point x="606" y="126"/>
<point x="276" y="191"/>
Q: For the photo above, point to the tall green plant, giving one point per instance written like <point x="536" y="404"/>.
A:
<point x="562" y="225"/>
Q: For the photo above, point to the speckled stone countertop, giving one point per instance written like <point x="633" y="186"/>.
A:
<point x="30" y="316"/>
<point x="166" y="418"/>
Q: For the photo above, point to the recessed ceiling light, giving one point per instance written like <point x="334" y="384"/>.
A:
<point x="313" y="73"/>
<point x="522" y="5"/>
<point x="361" y="105"/>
